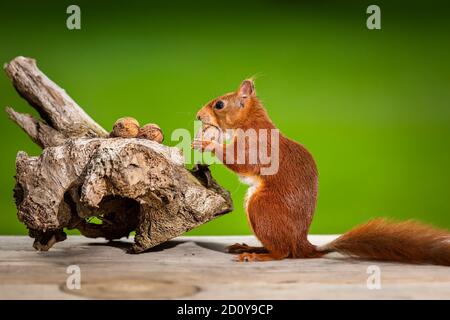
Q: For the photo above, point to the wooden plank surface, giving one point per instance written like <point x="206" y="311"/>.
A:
<point x="199" y="268"/>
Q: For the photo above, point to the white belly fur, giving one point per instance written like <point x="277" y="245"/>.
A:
<point x="253" y="183"/>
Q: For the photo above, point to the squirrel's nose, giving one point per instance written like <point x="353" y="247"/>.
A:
<point x="203" y="116"/>
<point x="199" y="116"/>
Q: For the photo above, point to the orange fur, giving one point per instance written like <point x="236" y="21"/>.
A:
<point x="407" y="241"/>
<point x="281" y="209"/>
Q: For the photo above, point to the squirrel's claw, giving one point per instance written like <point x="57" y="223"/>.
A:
<point x="246" y="257"/>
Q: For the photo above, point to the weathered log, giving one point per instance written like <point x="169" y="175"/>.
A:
<point x="54" y="105"/>
<point x="41" y="134"/>
<point x="129" y="184"/>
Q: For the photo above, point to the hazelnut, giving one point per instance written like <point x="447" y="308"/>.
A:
<point x="152" y="132"/>
<point x="125" y="128"/>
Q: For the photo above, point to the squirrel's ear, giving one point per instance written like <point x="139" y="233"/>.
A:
<point x="247" y="88"/>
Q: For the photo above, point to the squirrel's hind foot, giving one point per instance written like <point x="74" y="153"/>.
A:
<point x="248" y="257"/>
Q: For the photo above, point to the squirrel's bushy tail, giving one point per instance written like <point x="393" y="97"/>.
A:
<point x="381" y="239"/>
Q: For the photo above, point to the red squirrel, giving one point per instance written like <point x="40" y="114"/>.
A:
<point x="280" y="206"/>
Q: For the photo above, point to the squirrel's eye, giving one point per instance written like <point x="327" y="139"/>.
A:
<point x="219" y="105"/>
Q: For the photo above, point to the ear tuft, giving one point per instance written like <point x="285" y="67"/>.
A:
<point x="247" y="88"/>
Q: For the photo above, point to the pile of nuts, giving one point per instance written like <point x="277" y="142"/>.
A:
<point x="129" y="127"/>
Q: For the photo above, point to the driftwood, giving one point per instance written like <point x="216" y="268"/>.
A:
<point x="128" y="184"/>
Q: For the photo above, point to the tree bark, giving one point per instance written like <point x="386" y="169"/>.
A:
<point x="128" y="184"/>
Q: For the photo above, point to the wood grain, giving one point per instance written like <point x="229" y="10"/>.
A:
<point x="199" y="268"/>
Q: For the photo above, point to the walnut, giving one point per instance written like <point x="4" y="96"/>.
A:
<point x="209" y="133"/>
<point x="152" y="132"/>
<point x="125" y="128"/>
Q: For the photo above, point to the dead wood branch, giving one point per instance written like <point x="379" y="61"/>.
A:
<point x="129" y="184"/>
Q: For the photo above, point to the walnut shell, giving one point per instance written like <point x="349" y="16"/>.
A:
<point x="209" y="133"/>
<point x="125" y="128"/>
<point x="152" y="132"/>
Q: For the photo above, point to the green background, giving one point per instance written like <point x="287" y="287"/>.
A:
<point x="371" y="106"/>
